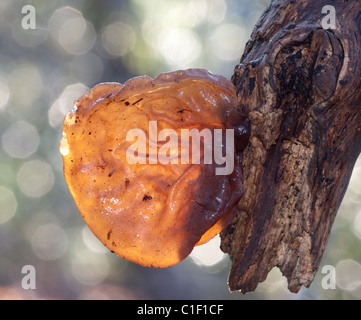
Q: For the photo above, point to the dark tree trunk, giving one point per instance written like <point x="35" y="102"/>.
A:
<point x="301" y="85"/>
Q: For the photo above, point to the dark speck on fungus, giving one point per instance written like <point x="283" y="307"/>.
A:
<point x="146" y="198"/>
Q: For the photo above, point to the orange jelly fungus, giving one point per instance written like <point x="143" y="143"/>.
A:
<point x="152" y="214"/>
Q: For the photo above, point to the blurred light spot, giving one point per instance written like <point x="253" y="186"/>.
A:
<point x="352" y="200"/>
<point x="183" y="14"/>
<point x="355" y="180"/>
<point x="20" y="140"/>
<point x="8" y="204"/>
<point x="90" y="268"/>
<point x="65" y="103"/>
<point x="209" y="253"/>
<point x="357" y="225"/>
<point x="35" y="178"/>
<point x="151" y="30"/>
<point x="64" y="145"/>
<point x="275" y="283"/>
<point x="348" y="274"/>
<point x="179" y="47"/>
<point x="76" y="42"/>
<point x="196" y="12"/>
<point x="87" y="68"/>
<point x="25" y="84"/>
<point x="356" y="293"/>
<point x="72" y="31"/>
<point x="92" y="242"/>
<point x="4" y="92"/>
<point x="216" y="11"/>
<point x="49" y="242"/>
<point x="227" y="41"/>
<point x="118" y="39"/>
<point x="30" y="39"/>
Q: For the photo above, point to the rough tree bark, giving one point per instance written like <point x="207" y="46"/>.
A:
<point x="301" y="85"/>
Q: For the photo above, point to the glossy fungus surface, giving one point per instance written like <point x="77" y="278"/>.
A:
<point x="129" y="167"/>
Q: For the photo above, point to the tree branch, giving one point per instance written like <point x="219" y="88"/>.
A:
<point x="301" y="85"/>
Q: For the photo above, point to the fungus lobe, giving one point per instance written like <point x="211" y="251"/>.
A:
<point x="141" y="192"/>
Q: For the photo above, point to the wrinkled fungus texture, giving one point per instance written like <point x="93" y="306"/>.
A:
<point x="152" y="214"/>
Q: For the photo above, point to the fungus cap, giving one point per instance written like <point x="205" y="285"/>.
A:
<point x="153" y="212"/>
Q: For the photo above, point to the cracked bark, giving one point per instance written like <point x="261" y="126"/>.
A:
<point x="301" y="86"/>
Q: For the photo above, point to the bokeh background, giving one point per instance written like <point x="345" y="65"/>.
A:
<point x="77" y="44"/>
